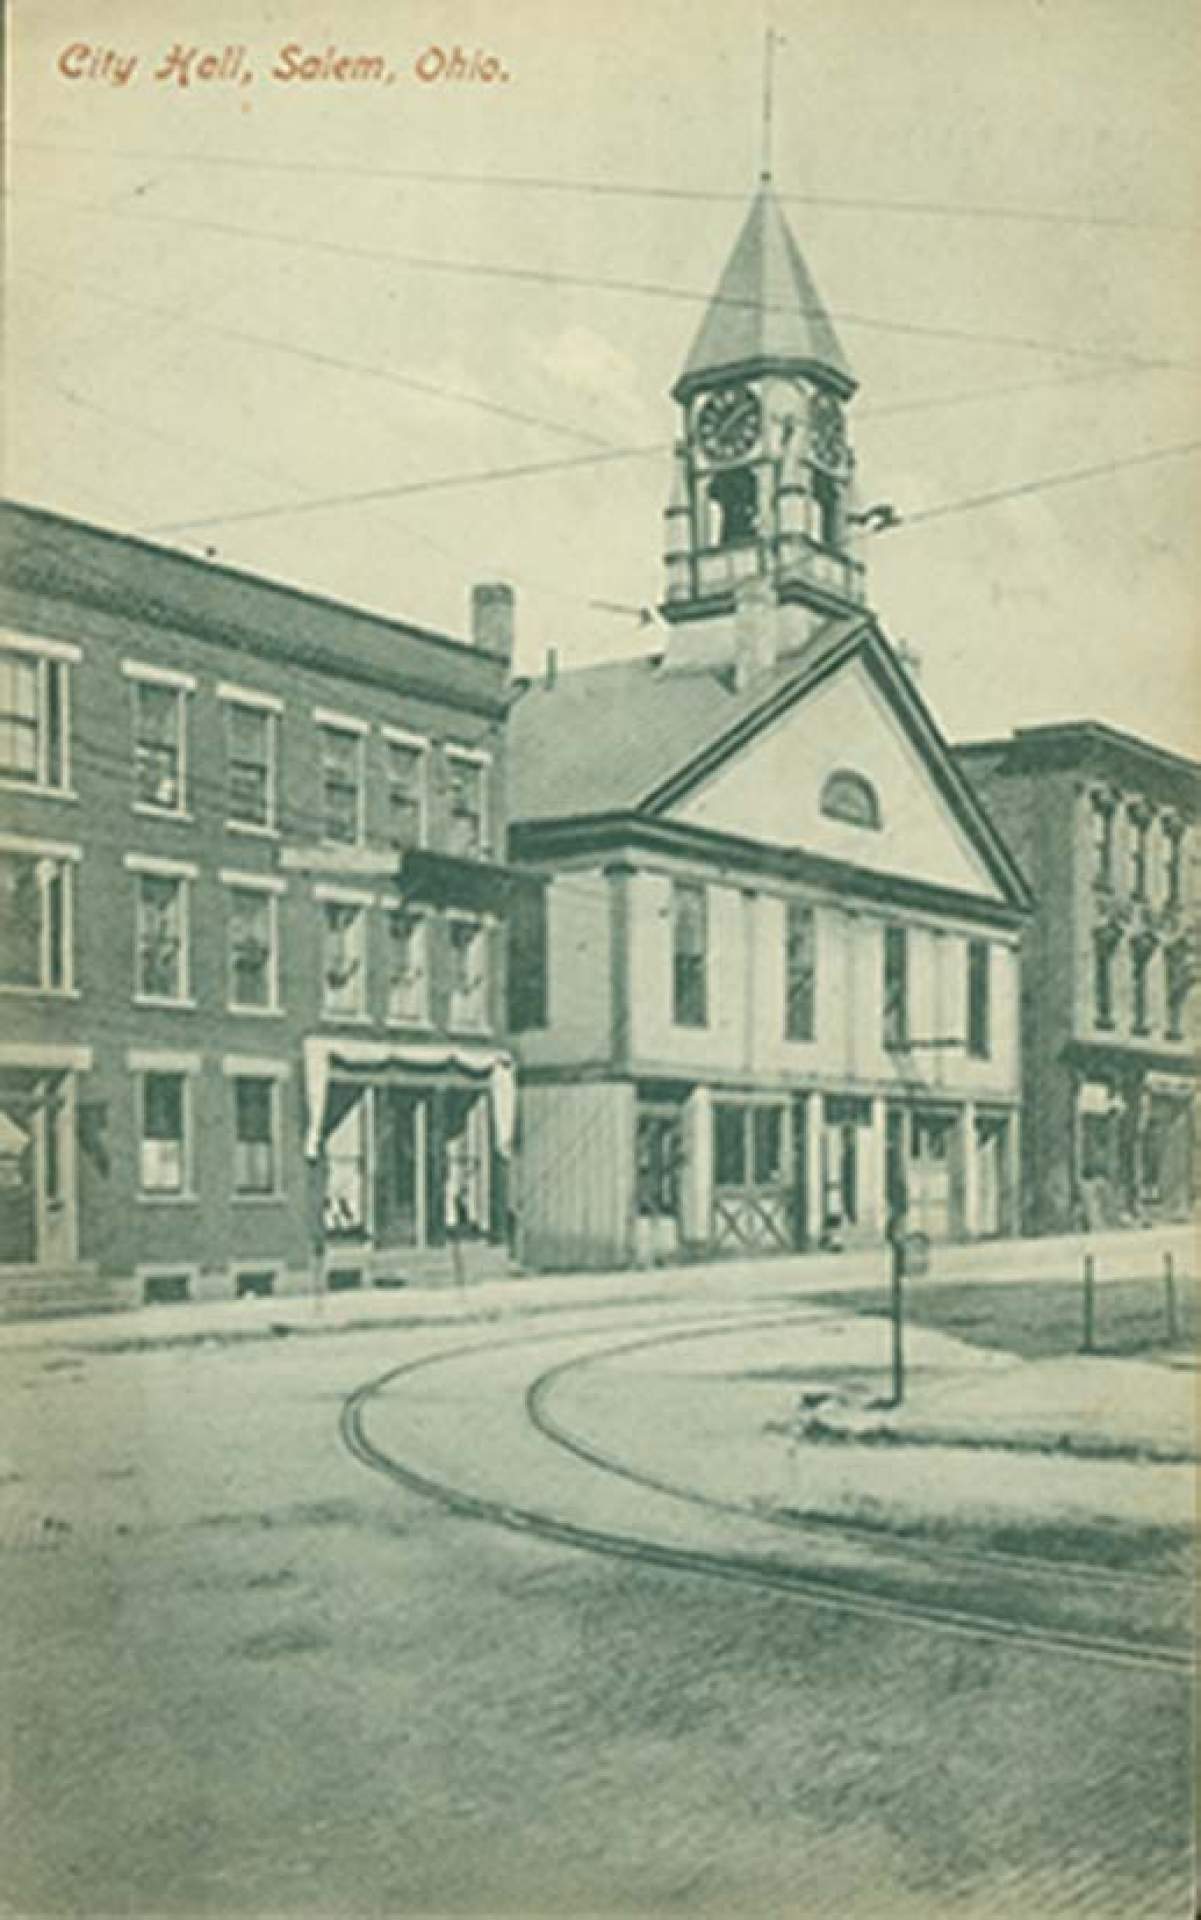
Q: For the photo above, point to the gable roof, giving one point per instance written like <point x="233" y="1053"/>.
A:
<point x="767" y="309"/>
<point x="630" y="738"/>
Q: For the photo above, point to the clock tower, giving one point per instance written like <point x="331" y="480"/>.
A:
<point x="763" y="481"/>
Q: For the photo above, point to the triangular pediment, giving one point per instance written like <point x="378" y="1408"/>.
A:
<point x="778" y="784"/>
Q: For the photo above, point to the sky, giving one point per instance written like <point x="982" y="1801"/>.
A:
<point x="287" y="321"/>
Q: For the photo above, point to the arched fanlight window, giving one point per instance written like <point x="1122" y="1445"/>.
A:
<point x="848" y="796"/>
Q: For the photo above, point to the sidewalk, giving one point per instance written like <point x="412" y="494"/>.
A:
<point x="1118" y="1255"/>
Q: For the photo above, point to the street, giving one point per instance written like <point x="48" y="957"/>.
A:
<point x="243" y="1673"/>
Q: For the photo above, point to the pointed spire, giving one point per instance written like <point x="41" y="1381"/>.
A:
<point x="767" y="312"/>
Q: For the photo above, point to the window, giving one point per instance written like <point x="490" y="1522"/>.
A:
<point x="1105" y="946"/>
<point x="408" y="983"/>
<point x="1177" y="982"/>
<point x="466" y="783"/>
<point x="1140" y="962"/>
<point x="36" y="921"/>
<point x="468" y="973"/>
<point x="896" y="987"/>
<point x="1103" y="812"/>
<point x="800" y="971"/>
<point x="160" y="746"/>
<point x="161" y="961"/>
<point x="33" y="719"/>
<point x="343" y="950"/>
<point x="979" y="1007"/>
<point x="767" y="1145"/>
<point x="827" y="498"/>
<point x="250" y="749"/>
<point x="690" y="954"/>
<point x="163" y="1161"/>
<point x="341" y="785"/>
<point x="1141" y="821"/>
<point x="748" y="1144"/>
<point x="527" y="968"/>
<point x="729" y="1146"/>
<point x="406" y="764"/>
<point x="253" y="949"/>
<point x="848" y="796"/>
<point x="1173" y="831"/>
<point x="735" y="494"/>
<point x="256" y="1169"/>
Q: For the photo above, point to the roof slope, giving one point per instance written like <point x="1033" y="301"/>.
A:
<point x="766" y="307"/>
<point x="604" y="739"/>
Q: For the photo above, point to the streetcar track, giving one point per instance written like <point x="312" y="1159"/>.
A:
<point x="1030" y="1566"/>
<point x="830" y="1592"/>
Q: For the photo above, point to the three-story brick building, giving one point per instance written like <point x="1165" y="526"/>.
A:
<point x="251" y="954"/>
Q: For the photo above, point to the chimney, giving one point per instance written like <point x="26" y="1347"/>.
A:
<point x="754" y="630"/>
<point x="492" y="618"/>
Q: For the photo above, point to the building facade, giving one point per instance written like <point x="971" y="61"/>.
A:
<point x="767" y="996"/>
<point x="251" y="946"/>
<point x="1108" y="829"/>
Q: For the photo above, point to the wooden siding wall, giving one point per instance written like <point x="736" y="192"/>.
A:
<point x="574" y="1175"/>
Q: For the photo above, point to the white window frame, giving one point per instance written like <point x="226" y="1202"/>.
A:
<point x="335" y="896"/>
<point x="483" y="924"/>
<point x="475" y="756"/>
<point x="265" y="883"/>
<point x="422" y="1018"/>
<point x="66" y="858"/>
<point x="142" y="674"/>
<point x="271" y="707"/>
<point x="46" y="654"/>
<point x="400" y="737"/>
<point x="185" y="872"/>
<point x="327" y="720"/>
<point x="273" y="1079"/>
<point x="141" y="1061"/>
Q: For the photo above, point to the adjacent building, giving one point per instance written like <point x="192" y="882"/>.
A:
<point x="1107" y="827"/>
<point x="767" y="995"/>
<point x="251" y="939"/>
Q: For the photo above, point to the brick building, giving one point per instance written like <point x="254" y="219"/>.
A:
<point x="251" y="951"/>
<point x="1107" y="828"/>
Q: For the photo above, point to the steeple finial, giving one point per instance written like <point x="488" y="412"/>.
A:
<point x="771" y="40"/>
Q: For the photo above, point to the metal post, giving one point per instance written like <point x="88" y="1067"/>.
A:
<point x="1169" y="1292"/>
<point x="1087" y="1344"/>
<point x="898" y="1319"/>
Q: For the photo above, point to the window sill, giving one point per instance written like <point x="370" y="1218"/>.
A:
<point x="255" y="1013"/>
<point x="167" y="1199"/>
<point x="153" y="1000"/>
<point x="150" y="812"/>
<point x="257" y="1199"/>
<point x="347" y="1019"/>
<point x="37" y="790"/>
<point x="40" y="993"/>
<point x="252" y="829"/>
<point x="469" y="1029"/>
<point x="421" y="1020"/>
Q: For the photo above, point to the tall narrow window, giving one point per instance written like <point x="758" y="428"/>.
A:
<point x="35" y="921"/>
<point x="979" y="996"/>
<point x="163" y="1157"/>
<point x="690" y="954"/>
<point x="1103" y="812"/>
<point x="253" y="960"/>
<point x="827" y="497"/>
<point x="896" y="987"/>
<point x="1140" y="820"/>
<point x="1105" y="946"/>
<point x="1140" y="981"/>
<point x="1177" y="982"/>
<point x="1173" y="831"/>
<point x="250" y="742"/>
<point x="466" y="778"/>
<point x="408" y="973"/>
<point x="33" y="719"/>
<point x="159" y="746"/>
<point x="527" y="959"/>
<point x="256" y="1169"/>
<point x="162" y="937"/>
<point x="341" y="785"/>
<point x="406" y="760"/>
<point x="468" y="973"/>
<point x="800" y="971"/>
<point x="343" y="951"/>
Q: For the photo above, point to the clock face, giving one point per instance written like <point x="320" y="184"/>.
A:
<point x="728" y="423"/>
<point x="827" y="430"/>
